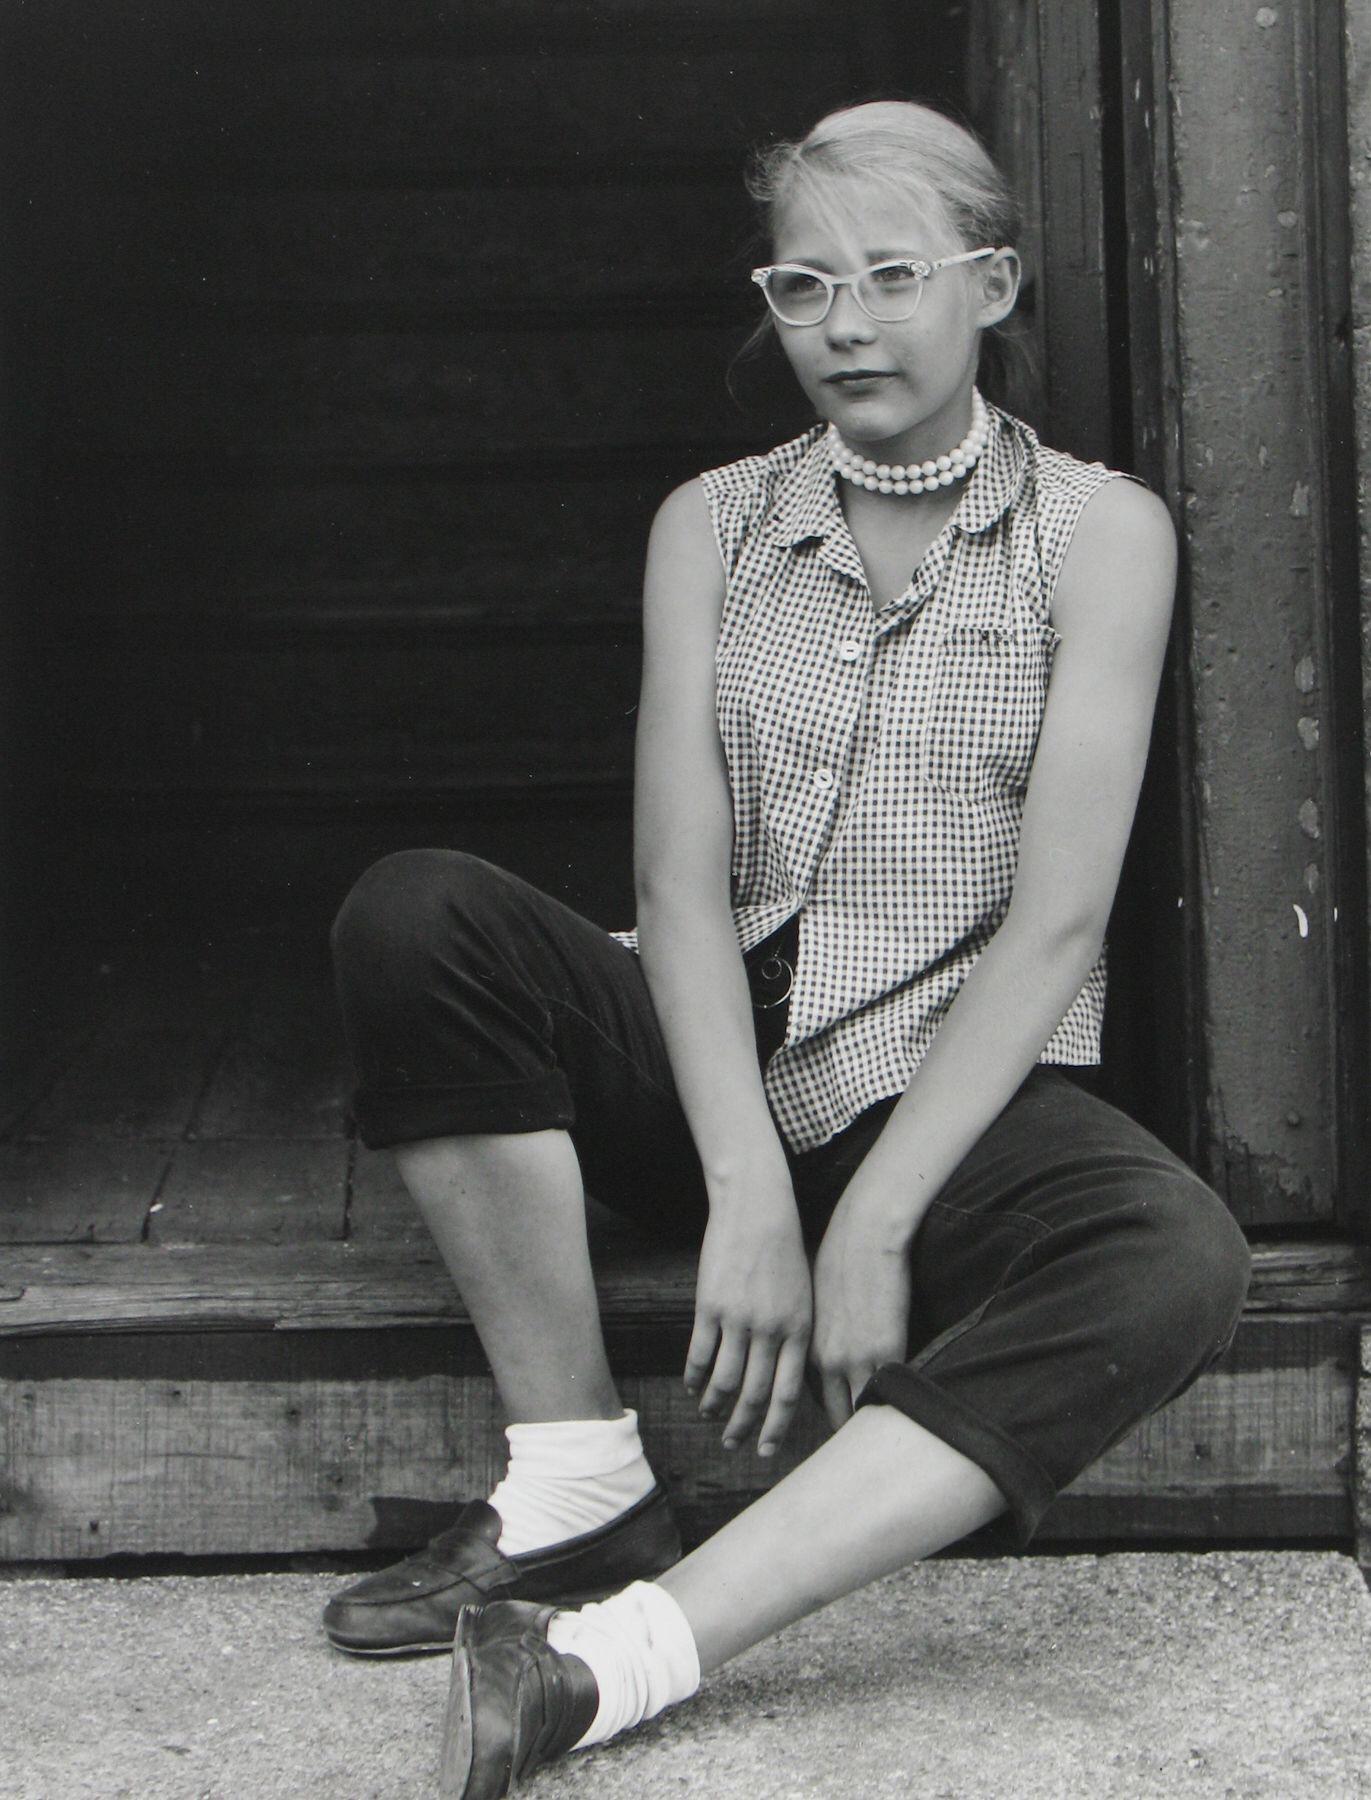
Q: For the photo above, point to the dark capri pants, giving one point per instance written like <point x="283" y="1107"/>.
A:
<point x="1072" y="1276"/>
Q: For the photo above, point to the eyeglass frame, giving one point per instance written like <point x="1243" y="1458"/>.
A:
<point x="916" y="265"/>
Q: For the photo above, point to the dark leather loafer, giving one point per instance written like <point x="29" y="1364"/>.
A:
<point x="413" y="1605"/>
<point x="514" y="1703"/>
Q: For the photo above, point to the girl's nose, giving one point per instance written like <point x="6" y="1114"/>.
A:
<point x="846" y="322"/>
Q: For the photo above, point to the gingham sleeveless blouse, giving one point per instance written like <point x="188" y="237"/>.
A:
<point x="879" y="755"/>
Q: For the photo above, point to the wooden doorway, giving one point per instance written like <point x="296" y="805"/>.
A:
<point x="362" y="344"/>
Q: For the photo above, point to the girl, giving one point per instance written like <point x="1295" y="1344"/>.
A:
<point x="875" y="856"/>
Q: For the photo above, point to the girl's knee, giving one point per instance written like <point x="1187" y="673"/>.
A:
<point x="401" y="902"/>
<point x="1198" y="1266"/>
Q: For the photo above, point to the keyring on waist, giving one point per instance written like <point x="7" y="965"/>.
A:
<point x="773" y="969"/>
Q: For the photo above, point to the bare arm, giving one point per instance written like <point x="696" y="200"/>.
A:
<point x="1113" y="608"/>
<point x="753" y="1304"/>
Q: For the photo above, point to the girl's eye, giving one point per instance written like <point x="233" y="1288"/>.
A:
<point x="796" y="284"/>
<point x="893" y="275"/>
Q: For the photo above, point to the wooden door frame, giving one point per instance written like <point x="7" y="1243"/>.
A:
<point x="1238" y="306"/>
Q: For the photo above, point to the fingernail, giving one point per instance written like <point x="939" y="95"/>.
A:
<point x="730" y="1443"/>
<point x="766" y="1449"/>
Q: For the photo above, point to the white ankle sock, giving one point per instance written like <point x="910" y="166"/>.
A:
<point x="566" y="1477"/>
<point x="639" y="1647"/>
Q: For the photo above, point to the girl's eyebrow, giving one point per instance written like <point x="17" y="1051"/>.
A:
<point x="873" y="257"/>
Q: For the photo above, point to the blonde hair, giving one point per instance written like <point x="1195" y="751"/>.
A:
<point x="920" y="158"/>
<point x="908" y="151"/>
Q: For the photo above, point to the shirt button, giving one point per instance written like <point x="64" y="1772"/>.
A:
<point x="823" y="778"/>
<point x="849" y="649"/>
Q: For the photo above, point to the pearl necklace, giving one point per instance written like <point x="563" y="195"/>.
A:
<point x="914" y="478"/>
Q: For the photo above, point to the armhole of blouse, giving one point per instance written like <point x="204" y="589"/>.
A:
<point x="727" y="517"/>
<point x="1055" y="543"/>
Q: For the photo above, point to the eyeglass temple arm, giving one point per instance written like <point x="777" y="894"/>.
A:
<point x="763" y="275"/>
<point x="946" y="262"/>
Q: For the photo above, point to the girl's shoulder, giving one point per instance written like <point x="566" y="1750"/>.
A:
<point x="1054" y="490"/>
<point x="742" y="496"/>
<point x="1058" y="477"/>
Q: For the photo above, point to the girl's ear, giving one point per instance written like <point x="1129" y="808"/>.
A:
<point x="1000" y="277"/>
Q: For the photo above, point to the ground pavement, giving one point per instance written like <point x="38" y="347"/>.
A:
<point x="1230" y="1674"/>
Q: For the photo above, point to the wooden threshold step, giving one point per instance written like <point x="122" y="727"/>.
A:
<point x="342" y="1286"/>
<point x="237" y="1399"/>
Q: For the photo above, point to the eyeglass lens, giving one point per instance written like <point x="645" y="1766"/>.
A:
<point x="888" y="292"/>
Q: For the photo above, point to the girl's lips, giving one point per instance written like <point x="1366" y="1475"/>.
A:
<point x="845" y="376"/>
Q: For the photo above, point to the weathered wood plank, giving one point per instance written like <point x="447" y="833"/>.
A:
<point x="139" y="1082"/>
<point x="1354" y="342"/>
<point x="1075" y="322"/>
<point x="352" y="399"/>
<point x="399" y="257"/>
<point x="283" y="1073"/>
<point x="1004" y="92"/>
<point x="1361" y="1452"/>
<point x="474" y="28"/>
<point x="252" y="1191"/>
<point x="344" y="712"/>
<point x="413" y="539"/>
<point x="330" y="113"/>
<point x="97" y="1465"/>
<point x="1155" y="989"/>
<point x="1263" y="506"/>
<point x="72" y="1192"/>
<point x="381" y="1282"/>
<point x="1260" y="1445"/>
<point x="380" y="1210"/>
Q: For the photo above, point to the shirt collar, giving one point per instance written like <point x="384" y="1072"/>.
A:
<point x="998" y="477"/>
<point x="807" y="504"/>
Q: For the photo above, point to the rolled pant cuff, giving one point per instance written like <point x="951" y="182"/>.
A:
<point x="403" y="1115"/>
<point x="1019" y="1477"/>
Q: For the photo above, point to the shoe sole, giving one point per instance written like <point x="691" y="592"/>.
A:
<point x="455" y="1756"/>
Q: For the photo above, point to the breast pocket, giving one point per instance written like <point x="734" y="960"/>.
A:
<point x="985" y="710"/>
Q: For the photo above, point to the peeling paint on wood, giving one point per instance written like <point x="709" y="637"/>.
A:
<point x="1261" y="485"/>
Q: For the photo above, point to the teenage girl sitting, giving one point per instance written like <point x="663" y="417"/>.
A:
<point x="898" y="684"/>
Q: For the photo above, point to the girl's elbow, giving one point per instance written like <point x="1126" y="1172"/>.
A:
<point x="1071" y="937"/>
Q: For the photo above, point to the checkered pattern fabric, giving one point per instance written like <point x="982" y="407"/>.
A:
<point x="879" y="755"/>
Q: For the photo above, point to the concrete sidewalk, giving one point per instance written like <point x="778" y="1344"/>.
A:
<point x="1229" y="1674"/>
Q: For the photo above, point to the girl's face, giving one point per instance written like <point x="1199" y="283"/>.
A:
<point x="902" y="388"/>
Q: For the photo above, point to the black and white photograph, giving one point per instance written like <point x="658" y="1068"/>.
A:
<point x="685" y="970"/>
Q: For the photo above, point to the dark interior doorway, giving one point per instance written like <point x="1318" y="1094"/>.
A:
<point x="359" y="344"/>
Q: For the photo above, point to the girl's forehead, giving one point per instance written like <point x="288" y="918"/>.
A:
<point x="839" y="225"/>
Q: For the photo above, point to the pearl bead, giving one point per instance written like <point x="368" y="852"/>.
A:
<point x="915" y="478"/>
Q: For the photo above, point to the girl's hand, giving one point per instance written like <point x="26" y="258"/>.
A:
<point x="753" y="1308"/>
<point x="861" y="1303"/>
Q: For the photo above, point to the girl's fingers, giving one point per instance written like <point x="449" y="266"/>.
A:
<point x="727" y="1378"/>
<point x="786" y="1387"/>
<point x="704" y="1340"/>
<point x="837" y="1398"/>
<point x="757" y="1382"/>
<point x="857" y="1380"/>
